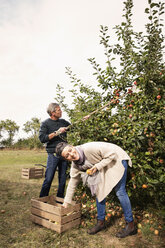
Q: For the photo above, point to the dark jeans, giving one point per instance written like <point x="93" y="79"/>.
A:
<point x="52" y="163"/>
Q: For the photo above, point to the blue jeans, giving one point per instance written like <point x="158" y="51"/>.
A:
<point x="52" y="163"/>
<point x="122" y="196"/>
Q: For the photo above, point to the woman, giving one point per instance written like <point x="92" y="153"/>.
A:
<point x="107" y="165"/>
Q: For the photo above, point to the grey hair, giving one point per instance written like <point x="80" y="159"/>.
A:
<point x="51" y="108"/>
<point x="60" y="147"/>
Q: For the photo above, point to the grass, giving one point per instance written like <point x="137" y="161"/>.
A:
<point x="17" y="230"/>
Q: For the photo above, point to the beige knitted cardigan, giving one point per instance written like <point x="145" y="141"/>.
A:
<point x="107" y="157"/>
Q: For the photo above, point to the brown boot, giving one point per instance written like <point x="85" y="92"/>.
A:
<point x="128" y="230"/>
<point x="99" y="226"/>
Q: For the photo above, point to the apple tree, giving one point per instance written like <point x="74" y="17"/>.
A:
<point x="134" y="117"/>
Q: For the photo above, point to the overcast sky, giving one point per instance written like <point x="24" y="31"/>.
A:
<point x="39" y="38"/>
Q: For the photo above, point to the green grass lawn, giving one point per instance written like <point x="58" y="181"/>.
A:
<point x="17" y="230"/>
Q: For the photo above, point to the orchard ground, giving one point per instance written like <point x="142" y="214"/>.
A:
<point x="17" y="230"/>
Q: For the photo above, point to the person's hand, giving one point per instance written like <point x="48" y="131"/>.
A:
<point x="65" y="204"/>
<point x="62" y="130"/>
<point x="92" y="170"/>
<point x="86" y="117"/>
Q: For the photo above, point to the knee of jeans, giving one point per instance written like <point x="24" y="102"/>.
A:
<point x="48" y="179"/>
<point x="121" y="192"/>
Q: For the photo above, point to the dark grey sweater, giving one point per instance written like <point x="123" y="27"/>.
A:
<point x="49" y="126"/>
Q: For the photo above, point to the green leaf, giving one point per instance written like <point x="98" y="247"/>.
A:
<point x="147" y="10"/>
<point x="153" y="5"/>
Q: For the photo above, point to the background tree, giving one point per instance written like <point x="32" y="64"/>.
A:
<point x="135" y="90"/>
<point x="1" y="128"/>
<point x="32" y="127"/>
<point x="9" y="127"/>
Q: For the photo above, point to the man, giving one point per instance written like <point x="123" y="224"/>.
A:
<point x="106" y="165"/>
<point x="52" y="132"/>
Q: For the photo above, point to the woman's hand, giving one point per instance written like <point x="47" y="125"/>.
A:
<point x="92" y="170"/>
<point x="65" y="204"/>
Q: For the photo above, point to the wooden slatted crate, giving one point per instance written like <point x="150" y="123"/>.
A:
<point x="32" y="173"/>
<point x="46" y="212"/>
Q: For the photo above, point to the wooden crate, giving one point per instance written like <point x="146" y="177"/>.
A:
<point x="46" y="212"/>
<point x="31" y="173"/>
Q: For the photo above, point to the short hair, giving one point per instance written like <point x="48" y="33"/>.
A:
<point x="60" y="147"/>
<point x="52" y="107"/>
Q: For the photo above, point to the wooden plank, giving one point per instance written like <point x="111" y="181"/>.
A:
<point x="38" y="174"/>
<point x="32" y="169"/>
<point x="38" y="170"/>
<point x="26" y="177"/>
<point x="46" y="223"/>
<point x="35" y="172"/>
<point x="52" y="200"/>
<point x="59" y="199"/>
<point x="71" y="217"/>
<point x="25" y="173"/>
<point x="25" y="169"/>
<point x="42" y="199"/>
<point x="69" y="225"/>
<point x="35" y="176"/>
<point x="46" y="207"/>
<point x="55" y="227"/>
<point x="62" y="200"/>
<point x="31" y="177"/>
<point x="70" y="208"/>
<point x="46" y="215"/>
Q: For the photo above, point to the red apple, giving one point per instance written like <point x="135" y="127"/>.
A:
<point x="158" y="97"/>
<point x="129" y="91"/>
